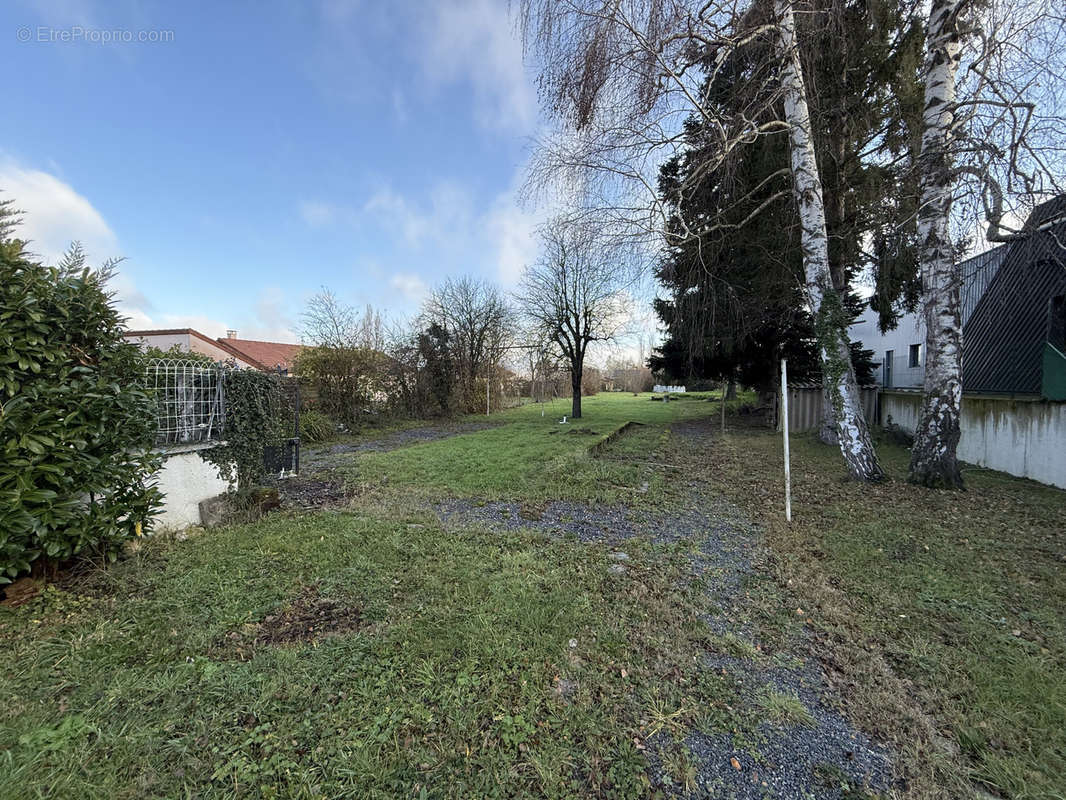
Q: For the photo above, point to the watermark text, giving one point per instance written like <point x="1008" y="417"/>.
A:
<point x="77" y="34"/>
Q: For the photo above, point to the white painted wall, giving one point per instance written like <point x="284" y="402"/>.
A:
<point x="186" y="343"/>
<point x="185" y="480"/>
<point x="911" y="330"/>
<point x="1026" y="438"/>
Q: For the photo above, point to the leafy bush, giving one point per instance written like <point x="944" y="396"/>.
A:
<point x="316" y="426"/>
<point x="75" y="425"/>
<point x="348" y="381"/>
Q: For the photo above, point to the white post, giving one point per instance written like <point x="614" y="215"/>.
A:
<point x="784" y="429"/>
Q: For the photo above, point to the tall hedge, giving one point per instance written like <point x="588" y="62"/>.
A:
<point x="75" y="426"/>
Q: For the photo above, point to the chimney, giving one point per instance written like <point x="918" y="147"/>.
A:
<point x="231" y="334"/>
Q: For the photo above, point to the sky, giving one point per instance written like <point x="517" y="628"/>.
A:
<point x="246" y="154"/>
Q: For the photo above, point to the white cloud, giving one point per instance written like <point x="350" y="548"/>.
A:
<point x="268" y="322"/>
<point x="444" y="216"/>
<point x="511" y="231"/>
<point x="317" y="214"/>
<point x="55" y="215"/>
<point x="476" y="41"/>
<point x="411" y="286"/>
<point x="271" y="322"/>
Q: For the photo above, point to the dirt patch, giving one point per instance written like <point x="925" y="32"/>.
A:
<point x="313" y="492"/>
<point x="582" y="431"/>
<point x="310" y="617"/>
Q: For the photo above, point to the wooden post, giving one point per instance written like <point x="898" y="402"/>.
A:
<point x="784" y="430"/>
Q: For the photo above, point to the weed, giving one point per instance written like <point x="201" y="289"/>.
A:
<point x="784" y="708"/>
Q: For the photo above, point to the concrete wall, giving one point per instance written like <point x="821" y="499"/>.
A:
<point x="186" y="479"/>
<point x="1021" y="437"/>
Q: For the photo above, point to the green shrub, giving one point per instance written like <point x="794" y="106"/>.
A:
<point x="75" y="424"/>
<point x="316" y="426"/>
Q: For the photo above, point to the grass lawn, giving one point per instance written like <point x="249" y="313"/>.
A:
<point x="370" y="652"/>
<point x="535" y="457"/>
<point x="472" y="664"/>
<point x="945" y="612"/>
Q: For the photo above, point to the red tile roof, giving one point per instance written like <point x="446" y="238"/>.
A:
<point x="267" y="355"/>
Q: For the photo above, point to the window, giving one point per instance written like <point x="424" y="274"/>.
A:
<point x="888" y="369"/>
<point x="915" y="356"/>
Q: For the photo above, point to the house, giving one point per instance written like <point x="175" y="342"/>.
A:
<point x="1013" y="300"/>
<point x="246" y="353"/>
<point x="1013" y="313"/>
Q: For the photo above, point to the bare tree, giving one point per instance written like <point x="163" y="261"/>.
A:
<point x="620" y="77"/>
<point x="992" y="135"/>
<point x="329" y="322"/>
<point x="344" y="356"/>
<point x="576" y="295"/>
<point x="478" y="322"/>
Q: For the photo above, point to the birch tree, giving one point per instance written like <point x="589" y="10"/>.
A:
<point x="853" y="434"/>
<point x="933" y="459"/>
<point x="992" y="133"/>
<point x="620" y="77"/>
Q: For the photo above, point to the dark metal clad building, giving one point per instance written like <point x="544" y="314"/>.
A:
<point x="1013" y="310"/>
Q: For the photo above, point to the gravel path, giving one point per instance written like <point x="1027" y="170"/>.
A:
<point x="823" y="757"/>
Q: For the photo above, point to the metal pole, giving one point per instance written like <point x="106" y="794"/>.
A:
<point x="486" y="393"/>
<point x="784" y="429"/>
<point x="723" y="408"/>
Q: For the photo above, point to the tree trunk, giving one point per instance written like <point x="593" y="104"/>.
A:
<point x="936" y="436"/>
<point x="853" y="435"/>
<point x="827" y="432"/>
<point x="575" y="383"/>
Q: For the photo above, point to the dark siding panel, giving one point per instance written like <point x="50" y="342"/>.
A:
<point x="1003" y="339"/>
<point x="977" y="274"/>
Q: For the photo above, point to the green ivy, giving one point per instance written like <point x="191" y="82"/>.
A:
<point x="75" y="425"/>
<point x="255" y="417"/>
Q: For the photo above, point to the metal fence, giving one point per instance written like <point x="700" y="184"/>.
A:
<point x="805" y="405"/>
<point x="189" y="399"/>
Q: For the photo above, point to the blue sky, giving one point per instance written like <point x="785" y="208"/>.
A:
<point x="270" y="148"/>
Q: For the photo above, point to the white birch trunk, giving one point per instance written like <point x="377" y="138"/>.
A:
<point x="853" y="435"/>
<point x="936" y="439"/>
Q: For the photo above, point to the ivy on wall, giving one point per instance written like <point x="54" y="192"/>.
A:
<point x="255" y="417"/>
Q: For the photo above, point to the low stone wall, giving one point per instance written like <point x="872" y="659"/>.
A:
<point x="1019" y="436"/>
<point x="186" y="480"/>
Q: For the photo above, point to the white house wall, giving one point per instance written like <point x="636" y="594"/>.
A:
<point x="910" y="330"/>
<point x="1026" y="438"/>
<point x="186" y="343"/>
<point x="185" y="480"/>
